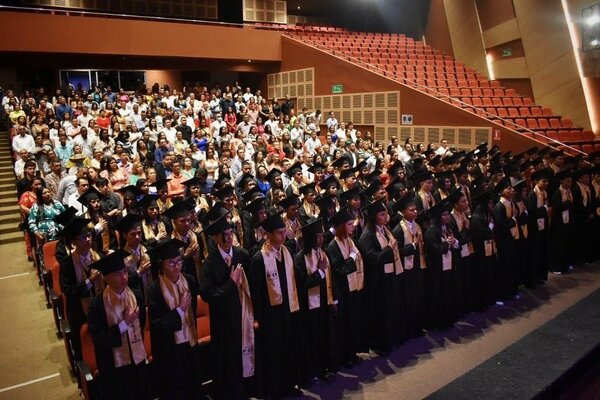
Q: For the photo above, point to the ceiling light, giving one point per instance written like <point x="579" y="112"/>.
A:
<point x="593" y="20"/>
<point x="249" y="60"/>
<point x="298" y="7"/>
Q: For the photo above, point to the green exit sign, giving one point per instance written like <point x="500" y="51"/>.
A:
<point x="338" y="88"/>
<point x="507" y="52"/>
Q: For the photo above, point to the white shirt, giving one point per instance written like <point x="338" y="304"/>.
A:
<point x="84" y="120"/>
<point x="23" y="142"/>
<point x="73" y="202"/>
<point x="225" y="254"/>
<point x="171" y="134"/>
<point x="296" y="134"/>
<point x="216" y="126"/>
<point x="331" y="122"/>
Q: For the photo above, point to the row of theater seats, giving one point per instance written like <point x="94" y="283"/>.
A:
<point x="427" y="69"/>
<point x="86" y="369"/>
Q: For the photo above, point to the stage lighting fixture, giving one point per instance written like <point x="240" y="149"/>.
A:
<point x="593" y="20"/>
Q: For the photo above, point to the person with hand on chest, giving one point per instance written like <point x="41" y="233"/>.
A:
<point x="78" y="281"/>
<point x="275" y="300"/>
<point x="116" y="320"/>
<point x="138" y="263"/>
<point x="318" y="358"/>
<point x="224" y="286"/>
<point x="180" y="219"/>
<point x="538" y="204"/>
<point x="562" y="232"/>
<point x="172" y="312"/>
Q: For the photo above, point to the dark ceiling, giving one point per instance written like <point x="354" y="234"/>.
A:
<point x="402" y="16"/>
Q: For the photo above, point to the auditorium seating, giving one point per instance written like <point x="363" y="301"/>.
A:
<point x="88" y="371"/>
<point x="424" y="68"/>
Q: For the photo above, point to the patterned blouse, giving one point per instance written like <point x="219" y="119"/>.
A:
<point x="41" y="220"/>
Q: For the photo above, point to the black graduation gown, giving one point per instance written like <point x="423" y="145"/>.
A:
<point x="380" y="292"/>
<point x="275" y="338"/>
<point x="176" y="364"/>
<point x="521" y="250"/>
<point x="464" y="268"/>
<point x="443" y="307"/>
<point x="124" y="383"/>
<point x="318" y="351"/>
<point x="595" y="224"/>
<point x="222" y="296"/>
<point x="483" y="266"/>
<point x="350" y="307"/>
<point x="412" y="296"/>
<point x="74" y="292"/>
<point x="537" y="241"/>
<point x="584" y="214"/>
<point x="506" y="266"/>
<point x="563" y="241"/>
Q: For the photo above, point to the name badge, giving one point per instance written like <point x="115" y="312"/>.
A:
<point x="489" y="248"/>
<point x="541" y="224"/>
<point x="464" y="251"/>
<point x="409" y="262"/>
<point x="565" y="217"/>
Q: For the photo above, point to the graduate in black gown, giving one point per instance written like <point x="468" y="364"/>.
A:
<point x="583" y="216"/>
<point x="442" y="250"/>
<point x="103" y="236"/>
<point x="411" y="245"/>
<point x="482" y="225"/>
<point x="379" y="250"/>
<point x="291" y="217"/>
<point x="156" y="228"/>
<point x="353" y="199"/>
<point x="254" y="234"/>
<point x="116" y="322"/>
<point x="138" y="264"/>
<point x="275" y="300"/>
<point x="525" y="271"/>
<point x="506" y="233"/>
<point x="319" y="356"/>
<point x="348" y="271"/>
<point x="309" y="208"/>
<point x="172" y="313"/>
<point x="179" y="214"/>
<point x="78" y="282"/>
<point x="224" y="286"/>
<point x="562" y="233"/>
<point x="595" y="187"/>
<point x="537" y="204"/>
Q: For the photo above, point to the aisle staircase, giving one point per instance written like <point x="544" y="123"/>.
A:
<point x="9" y="207"/>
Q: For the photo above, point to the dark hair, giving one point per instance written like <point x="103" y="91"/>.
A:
<point x="201" y="172"/>
<point x="100" y="181"/>
<point x="30" y="164"/>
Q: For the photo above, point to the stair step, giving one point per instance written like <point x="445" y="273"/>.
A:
<point x="9" y="228"/>
<point x="6" y="163"/>
<point x="10" y="208"/>
<point x="7" y="168"/>
<point x="8" y="186"/>
<point x="7" y="194"/>
<point x="7" y="174"/>
<point x="8" y="181"/>
<point x="10" y="219"/>
<point x="14" y="237"/>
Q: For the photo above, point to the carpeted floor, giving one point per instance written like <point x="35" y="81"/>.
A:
<point x="33" y="364"/>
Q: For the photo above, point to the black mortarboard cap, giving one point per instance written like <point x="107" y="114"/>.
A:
<point x="112" y="262"/>
<point x="532" y="150"/>
<point x="435" y="161"/>
<point x="224" y="192"/>
<point x="330" y="181"/>
<point x="481" y="196"/>
<point x="404" y="202"/>
<point x="565" y="173"/>
<point x="420" y="176"/>
<point x="339" y="163"/>
<point x="519" y="185"/>
<point x="273" y="173"/>
<point x="395" y="167"/>
<point x="75" y="227"/>
<point x="350" y="194"/>
<point x="66" y="216"/>
<point x="160" y="183"/>
<point x="294" y="169"/>
<point x="221" y="181"/>
<point x="307" y="189"/>
<point x="148" y="200"/>
<point x="341" y="217"/>
<point x="128" y="222"/>
<point x="373" y="175"/>
<point x="455" y="196"/>
<point x="361" y="166"/>
<point x="255" y="205"/>
<point x="252" y="194"/>
<point x="541" y="174"/>
<point x="178" y="210"/>
<point x="165" y="251"/>
<point x="345" y="174"/>
<point x="375" y="207"/>
<point x="313" y="227"/>
<point x="273" y="222"/>
<point x="439" y="207"/>
<point x="191" y="182"/>
<point x="502" y="184"/>
<point x="219" y="225"/>
<point x="325" y="202"/>
<point x="130" y="191"/>
<point x="91" y="194"/>
<point x="289" y="201"/>
<point x="373" y="187"/>
<point x="495" y="168"/>
<point x="316" y="167"/>
<point x="245" y="179"/>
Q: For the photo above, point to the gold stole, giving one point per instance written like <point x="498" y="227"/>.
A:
<point x="201" y="204"/>
<point x="508" y="206"/>
<point x="115" y="307"/>
<point x="134" y="262"/>
<point x="565" y="194"/>
<point x="247" y="326"/>
<point x="585" y="193"/>
<point x="540" y="196"/>
<point x="190" y="239"/>
<point x="172" y="293"/>
<point x="427" y="198"/>
<point x="462" y="222"/>
<point x="443" y="195"/>
<point x="272" y="276"/>
<point x="483" y="168"/>
<point x="105" y="234"/>
<point x="312" y="210"/>
<point x="383" y="239"/>
<point x="163" y="206"/>
<point x="292" y="230"/>
<point x="235" y="219"/>
<point x="314" y="294"/>
<point x="416" y="237"/>
<point x="295" y="188"/>
<point x="82" y="272"/>
<point x="149" y="230"/>
<point x="356" y="280"/>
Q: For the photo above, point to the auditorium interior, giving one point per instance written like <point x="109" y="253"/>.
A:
<point x="377" y="96"/>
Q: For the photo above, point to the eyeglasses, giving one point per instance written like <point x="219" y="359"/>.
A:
<point x="174" y="262"/>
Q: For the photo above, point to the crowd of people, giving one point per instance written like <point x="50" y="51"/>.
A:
<point x="310" y="247"/>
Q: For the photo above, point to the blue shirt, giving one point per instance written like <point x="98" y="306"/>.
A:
<point x="64" y="153"/>
<point x="61" y="109"/>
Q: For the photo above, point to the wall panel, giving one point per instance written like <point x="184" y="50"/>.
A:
<point x="502" y="33"/>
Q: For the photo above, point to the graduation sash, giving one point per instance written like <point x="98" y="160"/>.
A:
<point x="522" y="210"/>
<point x="104" y="235"/>
<point x="462" y="222"/>
<point x="356" y="280"/>
<point x="239" y="231"/>
<point x="138" y="258"/>
<point x="586" y="194"/>
<point x="190" y="239"/>
<point x="413" y="237"/>
<point x="427" y="199"/>
<point x="312" y="210"/>
<point x="314" y="293"/>
<point x="82" y="272"/>
<point x="115" y="307"/>
<point x="172" y="293"/>
<point x="508" y="206"/>
<point x="384" y="235"/>
<point x="149" y="232"/>
<point x="247" y="326"/>
<point x="272" y="276"/>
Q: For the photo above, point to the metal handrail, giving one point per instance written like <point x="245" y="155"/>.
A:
<point x="423" y="88"/>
